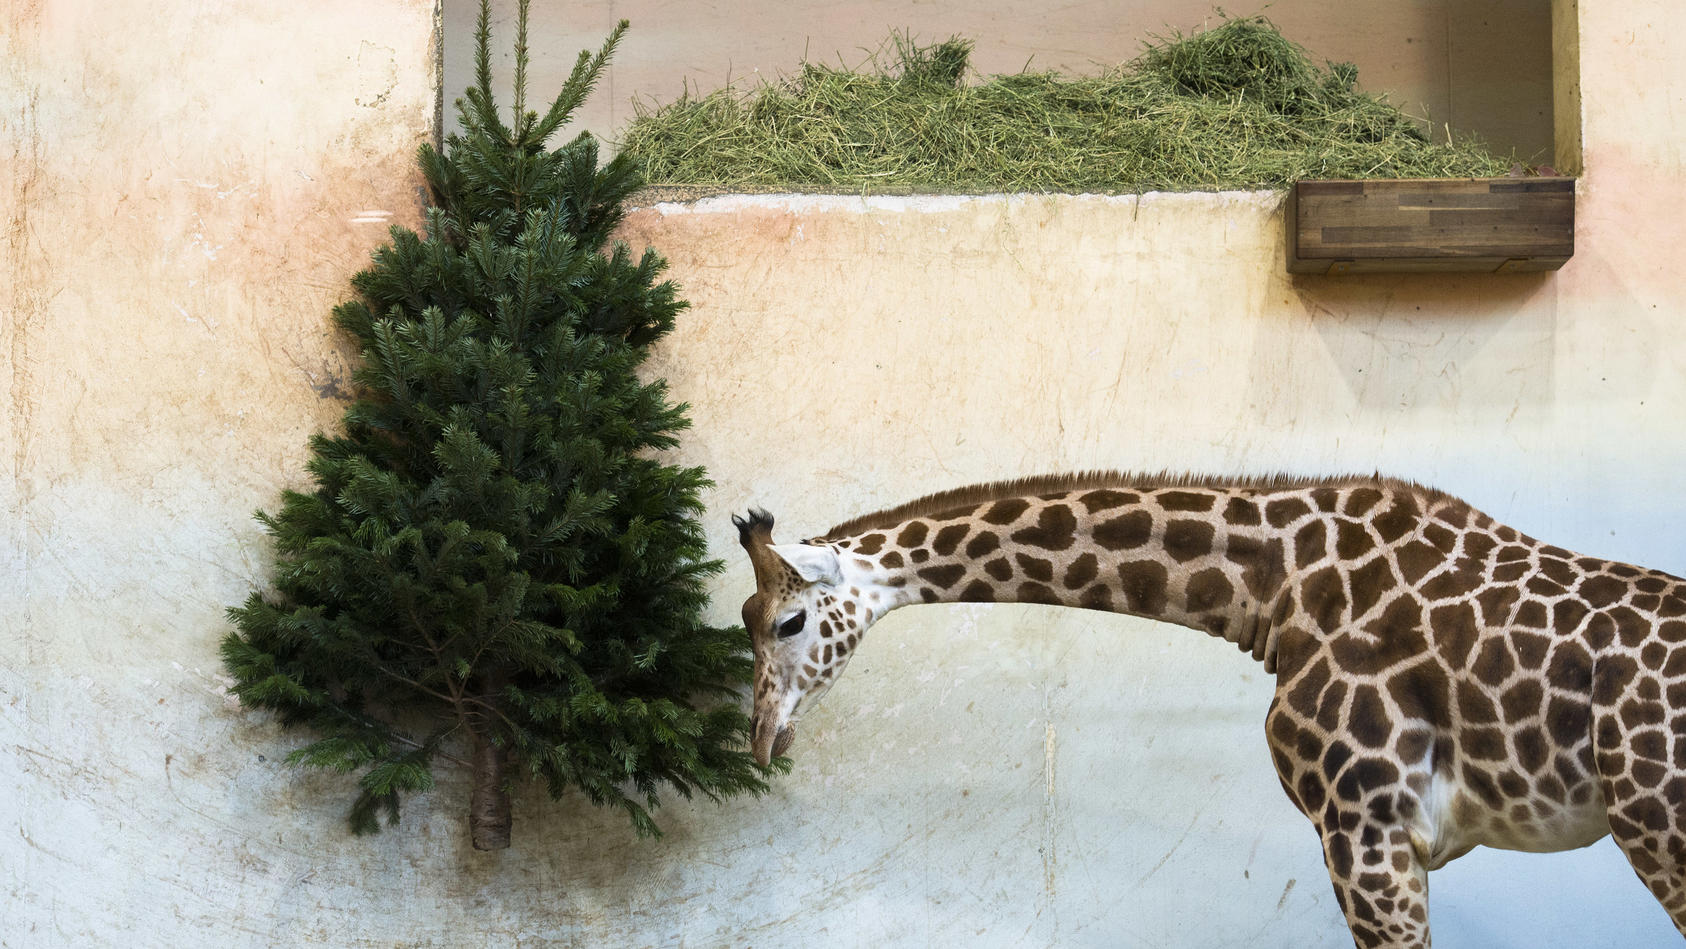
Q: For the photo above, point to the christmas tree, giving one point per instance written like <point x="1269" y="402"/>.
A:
<point x="495" y="569"/>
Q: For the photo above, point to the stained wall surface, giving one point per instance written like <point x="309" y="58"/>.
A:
<point x="1479" y="66"/>
<point x="188" y="190"/>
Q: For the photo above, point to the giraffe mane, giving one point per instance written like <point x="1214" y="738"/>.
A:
<point x="976" y="494"/>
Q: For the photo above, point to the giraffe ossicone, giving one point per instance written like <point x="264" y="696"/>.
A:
<point x="1443" y="681"/>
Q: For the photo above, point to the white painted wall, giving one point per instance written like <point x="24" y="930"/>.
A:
<point x="188" y="190"/>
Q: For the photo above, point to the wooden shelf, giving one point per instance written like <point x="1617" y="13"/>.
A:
<point x="1434" y="225"/>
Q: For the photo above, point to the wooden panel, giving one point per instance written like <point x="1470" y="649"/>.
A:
<point x="1435" y="225"/>
<point x="1499" y="72"/>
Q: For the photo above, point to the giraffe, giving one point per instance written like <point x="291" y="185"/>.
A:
<point x="1443" y="681"/>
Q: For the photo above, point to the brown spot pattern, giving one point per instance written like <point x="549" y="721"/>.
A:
<point x="985" y="543"/>
<point x="1035" y="568"/>
<point x="948" y="539"/>
<point x="1310" y="544"/>
<point x="1209" y="589"/>
<point x="1105" y="500"/>
<point x="1412" y="637"/>
<point x="1005" y="512"/>
<point x="1242" y="512"/>
<point x="1056" y="529"/>
<point x="1081" y="572"/>
<point x="1186" y="540"/>
<point x="1125" y="532"/>
<point x="1144" y="584"/>
<point x="871" y="544"/>
<point x="1284" y="511"/>
<point x="944" y="576"/>
<point x="1185" y="501"/>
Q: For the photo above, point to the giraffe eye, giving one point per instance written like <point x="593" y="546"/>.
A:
<point x="792" y="626"/>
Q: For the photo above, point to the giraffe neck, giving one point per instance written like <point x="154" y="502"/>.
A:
<point x="1205" y="557"/>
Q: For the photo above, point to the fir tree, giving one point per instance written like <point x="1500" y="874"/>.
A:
<point x="495" y="569"/>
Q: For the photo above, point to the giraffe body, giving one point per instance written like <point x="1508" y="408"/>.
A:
<point x="1443" y="681"/>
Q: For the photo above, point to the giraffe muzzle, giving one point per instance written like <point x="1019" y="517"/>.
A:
<point x="767" y="743"/>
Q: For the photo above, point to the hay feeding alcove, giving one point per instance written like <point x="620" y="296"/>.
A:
<point x="1236" y="106"/>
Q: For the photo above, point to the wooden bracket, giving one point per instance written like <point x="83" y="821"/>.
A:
<point x="1484" y="225"/>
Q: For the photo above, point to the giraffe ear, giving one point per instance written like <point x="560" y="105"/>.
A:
<point x="814" y="564"/>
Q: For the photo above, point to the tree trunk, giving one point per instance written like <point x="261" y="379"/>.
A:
<point x="488" y="809"/>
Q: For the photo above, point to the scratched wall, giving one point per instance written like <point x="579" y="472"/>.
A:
<point x="188" y="189"/>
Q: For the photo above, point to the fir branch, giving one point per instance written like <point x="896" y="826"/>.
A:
<point x="581" y="81"/>
<point x="480" y="97"/>
<point x="522" y="120"/>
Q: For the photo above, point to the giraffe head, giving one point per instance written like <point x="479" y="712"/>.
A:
<point x="805" y="618"/>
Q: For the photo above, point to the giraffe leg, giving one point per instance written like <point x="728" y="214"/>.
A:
<point x="1380" y="884"/>
<point x="1644" y="789"/>
<point x="1360" y="803"/>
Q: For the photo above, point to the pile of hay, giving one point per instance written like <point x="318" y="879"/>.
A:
<point x="1235" y="106"/>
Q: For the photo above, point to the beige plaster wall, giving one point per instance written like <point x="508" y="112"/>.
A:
<point x="1481" y="66"/>
<point x="187" y="190"/>
<point x="184" y="189"/>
